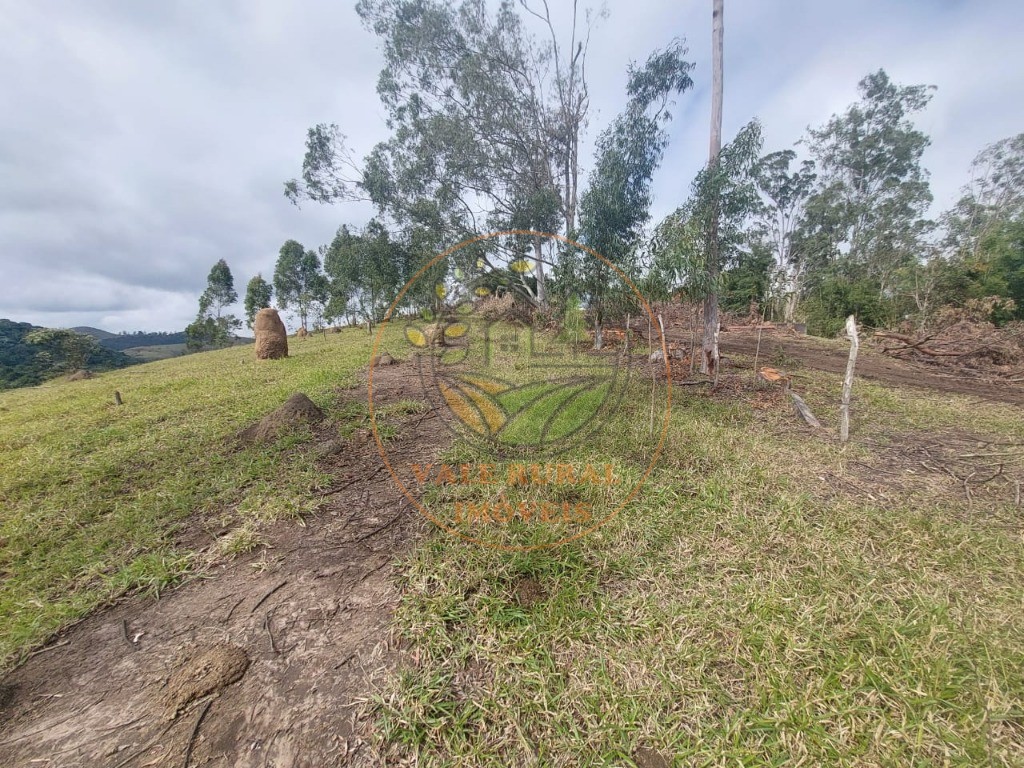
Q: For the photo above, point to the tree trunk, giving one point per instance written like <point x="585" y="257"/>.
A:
<point x="598" y="335"/>
<point x="710" y="357"/>
<point x="693" y="337"/>
<point x="542" y="283"/>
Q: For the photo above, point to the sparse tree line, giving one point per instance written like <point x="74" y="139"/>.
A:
<point x="487" y="109"/>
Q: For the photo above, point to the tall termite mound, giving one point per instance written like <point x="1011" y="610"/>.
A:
<point x="271" y="335"/>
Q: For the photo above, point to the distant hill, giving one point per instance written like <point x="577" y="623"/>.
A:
<point x="147" y="354"/>
<point x="25" y="365"/>
<point x="126" y="341"/>
<point x="96" y="333"/>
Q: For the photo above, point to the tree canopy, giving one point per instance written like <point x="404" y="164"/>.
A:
<point x="487" y="106"/>
<point x="299" y="281"/>
<point x="257" y="296"/>
<point x="212" y="328"/>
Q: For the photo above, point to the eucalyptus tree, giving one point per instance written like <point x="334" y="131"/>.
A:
<point x="258" y="293"/>
<point x="616" y="204"/>
<point x="993" y="198"/>
<point x="298" y="281"/>
<point x="212" y="327"/>
<point x="723" y="198"/>
<point x="365" y="270"/>
<point x="220" y="290"/>
<point x="870" y="176"/>
<point x="485" y="117"/>
<point x="784" y="193"/>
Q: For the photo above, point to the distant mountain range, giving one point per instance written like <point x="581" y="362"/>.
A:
<point x="24" y="365"/>
<point x="123" y="341"/>
<point x="96" y="333"/>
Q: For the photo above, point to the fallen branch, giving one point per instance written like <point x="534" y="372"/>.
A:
<point x="908" y="340"/>
<point x="803" y="410"/>
<point x="918" y="346"/>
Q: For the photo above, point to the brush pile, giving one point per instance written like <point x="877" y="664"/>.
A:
<point x="961" y="343"/>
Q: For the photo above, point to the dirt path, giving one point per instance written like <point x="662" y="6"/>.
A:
<point x="311" y="615"/>
<point x="824" y="355"/>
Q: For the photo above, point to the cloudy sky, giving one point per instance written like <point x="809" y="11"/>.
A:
<point x="142" y="140"/>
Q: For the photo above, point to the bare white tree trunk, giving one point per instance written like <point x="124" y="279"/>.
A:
<point x="844" y="408"/>
<point x="710" y="357"/>
<point x="542" y="283"/>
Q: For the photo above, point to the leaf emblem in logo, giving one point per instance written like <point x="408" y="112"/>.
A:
<point x="529" y="414"/>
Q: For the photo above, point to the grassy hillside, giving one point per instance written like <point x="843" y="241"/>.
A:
<point x="156" y="352"/>
<point x="92" y="495"/>
<point x="769" y="597"/>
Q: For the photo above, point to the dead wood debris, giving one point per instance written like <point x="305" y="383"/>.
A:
<point x="967" y="347"/>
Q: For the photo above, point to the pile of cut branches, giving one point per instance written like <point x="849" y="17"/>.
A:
<point x="965" y="346"/>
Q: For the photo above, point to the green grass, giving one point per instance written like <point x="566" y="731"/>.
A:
<point x="770" y="598"/>
<point x="94" y="497"/>
<point x="148" y="354"/>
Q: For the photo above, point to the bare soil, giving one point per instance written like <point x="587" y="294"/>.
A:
<point x="783" y="349"/>
<point x="266" y="660"/>
<point x="297" y="408"/>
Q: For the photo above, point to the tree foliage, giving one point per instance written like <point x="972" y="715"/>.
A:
<point x="29" y="354"/>
<point x="486" y="104"/>
<point x="993" y="198"/>
<point x="872" y="191"/>
<point x="258" y="293"/>
<point x="616" y="204"/>
<point x="299" y="281"/>
<point x="725" y="196"/>
<point x="365" y="269"/>
<point x="784" y="193"/>
<point x="220" y="290"/>
<point x="485" y="121"/>
<point x="65" y="350"/>
<point x="212" y="328"/>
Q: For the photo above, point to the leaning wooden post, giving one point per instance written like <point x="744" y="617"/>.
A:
<point x="844" y="408"/>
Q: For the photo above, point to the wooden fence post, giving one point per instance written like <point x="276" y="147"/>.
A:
<point x="844" y="408"/>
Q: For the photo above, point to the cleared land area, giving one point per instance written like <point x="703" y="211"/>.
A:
<point x="770" y="596"/>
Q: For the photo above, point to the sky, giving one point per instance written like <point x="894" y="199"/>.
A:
<point x="140" y="142"/>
